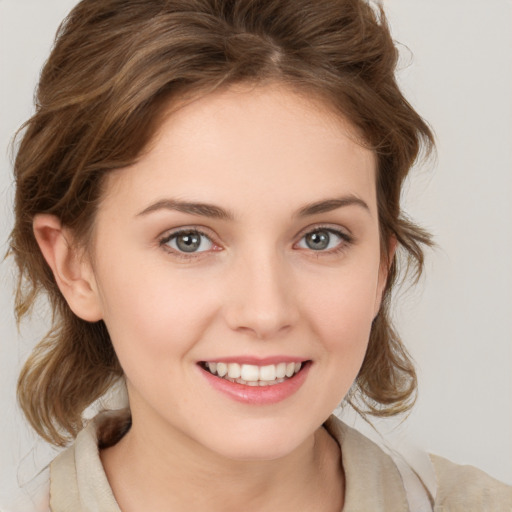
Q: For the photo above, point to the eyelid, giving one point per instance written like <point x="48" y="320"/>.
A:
<point x="169" y="233"/>
<point x="333" y="228"/>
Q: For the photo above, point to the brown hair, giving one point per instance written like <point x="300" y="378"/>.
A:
<point x="114" y="65"/>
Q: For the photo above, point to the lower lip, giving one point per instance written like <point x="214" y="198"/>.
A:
<point x="259" y="395"/>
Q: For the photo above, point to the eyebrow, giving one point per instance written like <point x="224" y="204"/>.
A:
<point x="216" y="212"/>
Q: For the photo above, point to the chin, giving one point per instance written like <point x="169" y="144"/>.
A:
<point x="266" y="451"/>
<point x="264" y="441"/>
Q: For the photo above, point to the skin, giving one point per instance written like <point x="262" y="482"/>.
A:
<point x="256" y="288"/>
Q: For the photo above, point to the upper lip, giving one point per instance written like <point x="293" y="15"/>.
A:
<point x="257" y="361"/>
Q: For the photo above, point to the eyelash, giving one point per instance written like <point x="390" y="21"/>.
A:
<point x="346" y="240"/>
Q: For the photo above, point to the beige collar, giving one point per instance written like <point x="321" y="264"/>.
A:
<point x="372" y="482"/>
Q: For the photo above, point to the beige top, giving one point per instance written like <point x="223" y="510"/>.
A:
<point x="373" y="482"/>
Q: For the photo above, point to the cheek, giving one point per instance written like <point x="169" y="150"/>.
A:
<point x="344" y="310"/>
<point x="151" y="316"/>
<point x="341" y="317"/>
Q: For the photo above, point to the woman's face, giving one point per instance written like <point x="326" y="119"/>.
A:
<point x="245" y="240"/>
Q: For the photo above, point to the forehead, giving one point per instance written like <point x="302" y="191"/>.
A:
<point x="260" y="142"/>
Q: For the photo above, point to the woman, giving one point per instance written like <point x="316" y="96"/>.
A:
<point x="209" y="195"/>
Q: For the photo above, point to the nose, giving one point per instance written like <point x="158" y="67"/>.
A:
<point x="261" y="298"/>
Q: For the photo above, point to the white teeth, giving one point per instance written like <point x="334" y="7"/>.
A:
<point x="253" y="375"/>
<point x="250" y="373"/>
<point x="290" y="369"/>
<point x="268" y="373"/>
<point x="234" y="370"/>
<point x="222" y="369"/>
<point x="280" y="370"/>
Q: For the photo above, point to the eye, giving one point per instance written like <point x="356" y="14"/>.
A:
<point x="324" y="239"/>
<point x="187" y="241"/>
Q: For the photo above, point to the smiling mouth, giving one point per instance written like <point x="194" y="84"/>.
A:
<point x="253" y="375"/>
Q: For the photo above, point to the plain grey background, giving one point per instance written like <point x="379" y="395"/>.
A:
<point x="458" y="322"/>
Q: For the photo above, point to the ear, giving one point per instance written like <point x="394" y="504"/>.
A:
<point x="385" y="265"/>
<point x="73" y="274"/>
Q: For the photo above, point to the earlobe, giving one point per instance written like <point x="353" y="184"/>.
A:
<point x="73" y="275"/>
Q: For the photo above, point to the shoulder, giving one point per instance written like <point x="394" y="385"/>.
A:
<point x="467" y="488"/>
<point x="428" y="481"/>
<point x="78" y="480"/>
<point x="372" y="480"/>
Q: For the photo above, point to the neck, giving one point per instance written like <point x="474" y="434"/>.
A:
<point x="152" y="470"/>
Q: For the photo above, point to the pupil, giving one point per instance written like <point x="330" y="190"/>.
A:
<point x="188" y="242"/>
<point x="318" y="240"/>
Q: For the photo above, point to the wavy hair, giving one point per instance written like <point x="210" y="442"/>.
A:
<point x="115" y="64"/>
